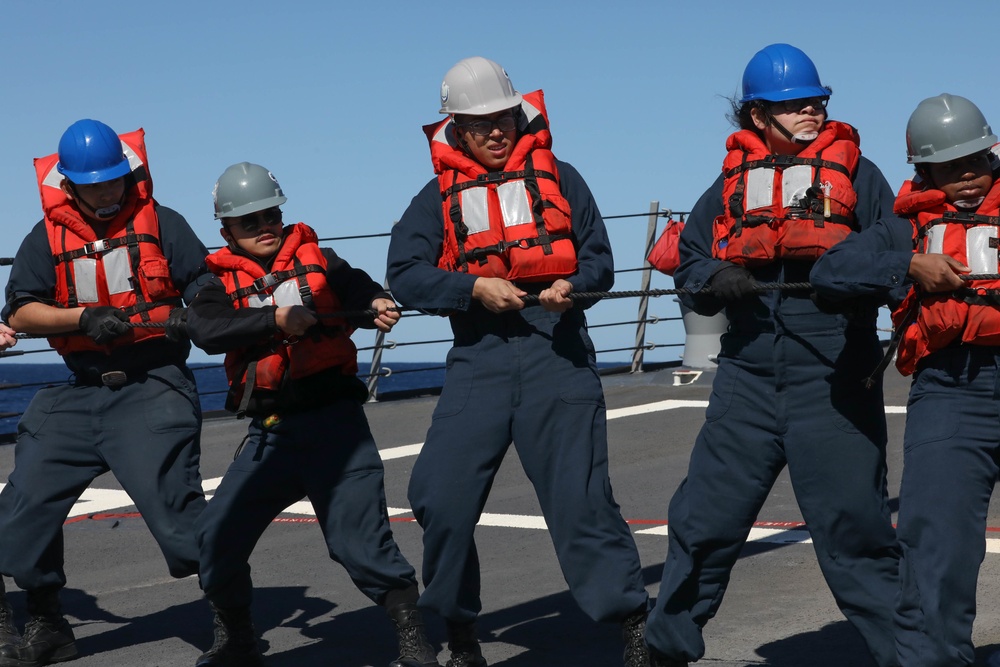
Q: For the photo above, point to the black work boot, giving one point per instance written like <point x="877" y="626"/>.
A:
<point x="47" y="636"/>
<point x="657" y="659"/>
<point x="235" y="642"/>
<point x="414" y="649"/>
<point x="8" y="631"/>
<point x="464" y="646"/>
<point x="634" y="634"/>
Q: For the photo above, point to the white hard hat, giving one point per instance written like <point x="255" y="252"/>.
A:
<point x="477" y="87"/>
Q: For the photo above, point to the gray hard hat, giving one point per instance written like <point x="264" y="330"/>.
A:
<point x="945" y="128"/>
<point x="246" y="188"/>
<point x="478" y="87"/>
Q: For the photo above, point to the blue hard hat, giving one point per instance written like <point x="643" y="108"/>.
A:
<point x="91" y="152"/>
<point x="781" y="72"/>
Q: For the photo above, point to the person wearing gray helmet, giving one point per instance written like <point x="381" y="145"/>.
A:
<point x="948" y="333"/>
<point x="502" y="219"/>
<point x="272" y="308"/>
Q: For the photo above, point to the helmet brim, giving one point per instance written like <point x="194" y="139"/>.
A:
<point x="788" y="94"/>
<point x="97" y="175"/>
<point x="253" y="207"/>
<point x="955" y="152"/>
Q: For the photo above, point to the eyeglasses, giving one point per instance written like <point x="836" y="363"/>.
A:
<point x="483" y="128"/>
<point x="252" y="222"/>
<point x="795" y="106"/>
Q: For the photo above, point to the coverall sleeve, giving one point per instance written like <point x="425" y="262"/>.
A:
<point x="33" y="274"/>
<point x="414" y="250"/>
<point x="695" y="245"/>
<point x="184" y="251"/>
<point x="595" y="262"/>
<point x="354" y="287"/>
<point x="216" y="326"/>
<point x="873" y="262"/>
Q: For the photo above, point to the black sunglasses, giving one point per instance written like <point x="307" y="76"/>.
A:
<point x="252" y="222"/>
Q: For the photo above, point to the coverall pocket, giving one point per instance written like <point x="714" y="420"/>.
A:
<point x="722" y="392"/>
<point x="37" y="413"/>
<point x="459" y="374"/>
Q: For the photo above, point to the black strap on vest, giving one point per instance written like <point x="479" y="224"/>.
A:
<point x="530" y="175"/>
<point x="958" y="218"/>
<point x="98" y="248"/>
<point x="266" y="283"/>
<point x="102" y="246"/>
<point x="814" y="201"/>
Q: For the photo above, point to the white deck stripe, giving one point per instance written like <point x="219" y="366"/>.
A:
<point x="412" y="450"/>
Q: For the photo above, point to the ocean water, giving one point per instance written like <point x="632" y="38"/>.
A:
<point x="20" y="381"/>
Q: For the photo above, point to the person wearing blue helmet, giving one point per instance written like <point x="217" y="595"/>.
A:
<point x="105" y="258"/>
<point x="788" y="388"/>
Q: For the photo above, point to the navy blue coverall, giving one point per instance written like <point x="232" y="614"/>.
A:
<point x="148" y="432"/>
<point x="322" y="449"/>
<point x="788" y="392"/>
<point x="527" y="377"/>
<point x="951" y="454"/>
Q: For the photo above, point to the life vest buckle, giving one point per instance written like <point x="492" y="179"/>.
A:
<point x="265" y="282"/>
<point x="492" y="177"/>
<point x="101" y="245"/>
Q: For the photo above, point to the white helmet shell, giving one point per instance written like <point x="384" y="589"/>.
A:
<point x="477" y="87"/>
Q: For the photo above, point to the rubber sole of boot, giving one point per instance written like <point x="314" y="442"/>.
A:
<point x="61" y="654"/>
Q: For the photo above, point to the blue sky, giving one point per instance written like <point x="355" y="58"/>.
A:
<point x="330" y="96"/>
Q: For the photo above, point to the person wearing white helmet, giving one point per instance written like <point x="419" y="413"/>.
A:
<point x="788" y="388"/>
<point x="106" y="256"/>
<point x="504" y="219"/>
<point x="948" y="334"/>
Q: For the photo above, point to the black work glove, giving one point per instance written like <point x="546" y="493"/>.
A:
<point x="176" y="326"/>
<point x="731" y="282"/>
<point x="104" y="323"/>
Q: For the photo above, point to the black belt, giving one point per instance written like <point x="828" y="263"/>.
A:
<point x="114" y="378"/>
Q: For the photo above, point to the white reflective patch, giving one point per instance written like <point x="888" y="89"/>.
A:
<point x="287" y="294"/>
<point x="475" y="210"/>
<point x="935" y="239"/>
<point x="760" y="188"/>
<point x="117" y="271"/>
<point x="982" y="255"/>
<point x="259" y="300"/>
<point x="514" y="203"/>
<point x="794" y="182"/>
<point x="85" y="279"/>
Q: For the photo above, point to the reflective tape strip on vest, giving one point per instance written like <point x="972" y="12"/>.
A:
<point x="786" y="207"/>
<point x="301" y="260"/>
<point x="970" y="315"/>
<point x="514" y="224"/>
<point x="125" y="269"/>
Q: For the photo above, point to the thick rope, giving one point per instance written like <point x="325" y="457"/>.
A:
<point x="532" y="299"/>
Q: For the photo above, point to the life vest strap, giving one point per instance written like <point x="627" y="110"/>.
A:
<point x="494" y="177"/>
<point x="102" y="246"/>
<point x="787" y="161"/>
<point x="269" y="281"/>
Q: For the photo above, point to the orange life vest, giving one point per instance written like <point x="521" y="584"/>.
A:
<point x="297" y="277"/>
<point x="127" y="269"/>
<point x="972" y="314"/>
<point x="786" y="206"/>
<point x="512" y="224"/>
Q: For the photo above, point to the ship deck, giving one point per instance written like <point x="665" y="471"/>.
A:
<point x="126" y="610"/>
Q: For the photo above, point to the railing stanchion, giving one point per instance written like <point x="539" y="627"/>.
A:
<point x="640" y="329"/>
<point x="376" y="367"/>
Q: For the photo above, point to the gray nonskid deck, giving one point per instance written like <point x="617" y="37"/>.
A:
<point x="126" y="610"/>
